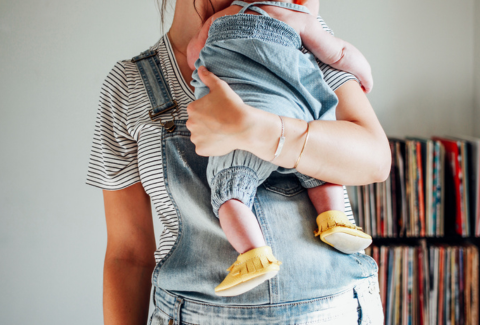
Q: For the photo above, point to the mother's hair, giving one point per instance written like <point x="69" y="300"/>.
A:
<point x="162" y="7"/>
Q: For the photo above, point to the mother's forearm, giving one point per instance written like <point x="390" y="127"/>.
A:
<point x="343" y="152"/>
<point x="353" y="150"/>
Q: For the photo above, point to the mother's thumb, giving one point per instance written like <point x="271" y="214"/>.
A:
<point x="209" y="79"/>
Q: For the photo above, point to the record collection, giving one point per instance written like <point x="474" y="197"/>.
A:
<point x="433" y="190"/>
<point x="425" y="224"/>
<point x="428" y="285"/>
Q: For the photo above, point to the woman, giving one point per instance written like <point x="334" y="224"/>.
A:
<point x="135" y="159"/>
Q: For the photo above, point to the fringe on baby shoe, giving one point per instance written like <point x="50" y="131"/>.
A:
<point x="333" y="218"/>
<point x="254" y="260"/>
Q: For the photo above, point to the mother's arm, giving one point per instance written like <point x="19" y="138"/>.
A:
<point x="129" y="259"/>
<point x="353" y="150"/>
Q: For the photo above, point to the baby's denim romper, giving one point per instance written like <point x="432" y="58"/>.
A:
<point x="260" y="58"/>
<point x="317" y="284"/>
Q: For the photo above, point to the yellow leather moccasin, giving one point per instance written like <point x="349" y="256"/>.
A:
<point x="336" y="230"/>
<point x="251" y="269"/>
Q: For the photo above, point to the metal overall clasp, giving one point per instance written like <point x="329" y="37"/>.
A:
<point x="169" y="125"/>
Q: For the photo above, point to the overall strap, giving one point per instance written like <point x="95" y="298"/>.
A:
<point x="157" y="88"/>
<point x="252" y="6"/>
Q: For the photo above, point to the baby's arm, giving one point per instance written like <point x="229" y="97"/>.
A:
<point x="336" y="52"/>
<point x="197" y="43"/>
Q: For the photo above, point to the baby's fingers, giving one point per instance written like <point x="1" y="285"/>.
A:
<point x="367" y="84"/>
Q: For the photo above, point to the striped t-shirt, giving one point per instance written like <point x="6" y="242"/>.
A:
<point x="126" y="145"/>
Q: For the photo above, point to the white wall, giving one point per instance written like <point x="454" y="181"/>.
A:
<point x="422" y="57"/>
<point x="54" y="56"/>
<point x="476" y="119"/>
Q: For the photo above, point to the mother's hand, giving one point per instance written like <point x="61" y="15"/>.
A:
<point x="220" y="120"/>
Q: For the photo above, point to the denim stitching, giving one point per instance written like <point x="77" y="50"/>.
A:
<point x="269" y="239"/>
<point x="199" y="303"/>
<point x="179" y="216"/>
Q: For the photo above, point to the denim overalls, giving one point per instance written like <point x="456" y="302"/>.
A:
<point x="317" y="284"/>
<point x="260" y="58"/>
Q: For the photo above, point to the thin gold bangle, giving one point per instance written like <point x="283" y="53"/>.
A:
<point x="303" y="148"/>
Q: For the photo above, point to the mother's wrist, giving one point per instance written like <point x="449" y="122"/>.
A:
<point x="262" y="135"/>
<point x="295" y="136"/>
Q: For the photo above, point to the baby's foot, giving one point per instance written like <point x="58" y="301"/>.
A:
<point x="251" y="269"/>
<point x="336" y="230"/>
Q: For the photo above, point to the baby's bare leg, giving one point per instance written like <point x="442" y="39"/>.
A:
<point x="256" y="263"/>
<point x="327" y="197"/>
<point x="334" y="227"/>
<point x="240" y="226"/>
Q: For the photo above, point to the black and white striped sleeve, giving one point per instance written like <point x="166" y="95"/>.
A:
<point x="113" y="159"/>
<point x="333" y="77"/>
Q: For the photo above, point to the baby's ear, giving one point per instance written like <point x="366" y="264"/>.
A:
<point x="300" y="2"/>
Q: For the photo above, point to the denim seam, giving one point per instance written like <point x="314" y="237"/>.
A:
<point x="268" y="306"/>
<point x="177" y="311"/>
<point x="187" y="323"/>
<point x="269" y="239"/>
<point x="164" y="312"/>
<point x="179" y="217"/>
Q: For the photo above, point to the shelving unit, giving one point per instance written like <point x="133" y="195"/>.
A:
<point x="425" y="279"/>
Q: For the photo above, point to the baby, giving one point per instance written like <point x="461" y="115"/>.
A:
<point x="255" y="47"/>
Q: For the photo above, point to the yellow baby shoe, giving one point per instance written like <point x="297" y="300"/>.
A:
<point x="336" y="230"/>
<point x="251" y="269"/>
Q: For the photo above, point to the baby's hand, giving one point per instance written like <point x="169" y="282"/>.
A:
<point x="336" y="52"/>
<point x="353" y="61"/>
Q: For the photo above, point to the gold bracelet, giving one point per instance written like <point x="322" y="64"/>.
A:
<point x="303" y="148"/>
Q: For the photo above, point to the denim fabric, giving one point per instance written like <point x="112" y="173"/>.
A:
<point x="201" y="253"/>
<point x="358" y="305"/>
<point x="260" y="58"/>
<point x="155" y="84"/>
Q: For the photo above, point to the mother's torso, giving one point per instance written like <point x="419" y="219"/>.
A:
<point x="193" y="252"/>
